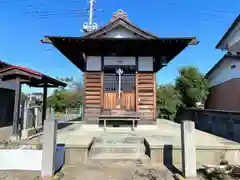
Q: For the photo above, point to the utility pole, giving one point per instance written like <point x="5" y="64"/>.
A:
<point x="91" y="12"/>
<point x="90" y="26"/>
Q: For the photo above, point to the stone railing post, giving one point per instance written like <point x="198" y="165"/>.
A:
<point x="49" y="147"/>
<point x="188" y="143"/>
<point x="25" y="115"/>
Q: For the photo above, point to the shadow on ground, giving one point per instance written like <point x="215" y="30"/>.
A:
<point x="168" y="159"/>
<point x="64" y="124"/>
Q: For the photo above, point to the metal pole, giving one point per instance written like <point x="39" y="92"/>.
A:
<point x="119" y="72"/>
<point x="119" y="89"/>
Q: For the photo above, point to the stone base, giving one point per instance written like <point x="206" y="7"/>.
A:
<point x="27" y="133"/>
<point x="14" y="138"/>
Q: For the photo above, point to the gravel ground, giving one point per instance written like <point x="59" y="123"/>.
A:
<point x="122" y="171"/>
<point x="114" y="171"/>
<point x="5" y="132"/>
<point x="19" y="175"/>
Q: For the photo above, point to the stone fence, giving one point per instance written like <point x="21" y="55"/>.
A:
<point x="225" y="124"/>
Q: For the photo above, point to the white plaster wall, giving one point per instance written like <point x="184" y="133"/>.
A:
<point x="20" y="159"/>
<point x="114" y="60"/>
<point x="145" y="63"/>
<point x="232" y="38"/>
<point x="8" y="85"/>
<point x="235" y="47"/>
<point x="235" y="37"/>
<point x="31" y="160"/>
<point x="121" y="32"/>
<point x="94" y="63"/>
<point x="224" y="72"/>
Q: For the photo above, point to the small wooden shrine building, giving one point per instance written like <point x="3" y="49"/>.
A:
<point x="120" y="62"/>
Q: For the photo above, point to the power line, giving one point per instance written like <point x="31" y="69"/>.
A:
<point x="214" y="15"/>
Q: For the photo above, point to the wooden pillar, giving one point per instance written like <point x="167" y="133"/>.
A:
<point x="44" y="107"/>
<point x="102" y="85"/>
<point x="84" y="96"/>
<point x="154" y="97"/>
<point x="102" y="92"/>
<point x="136" y="81"/>
<point x="137" y="98"/>
<point x="16" y="132"/>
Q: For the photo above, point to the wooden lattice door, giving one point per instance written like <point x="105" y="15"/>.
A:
<point x="111" y="93"/>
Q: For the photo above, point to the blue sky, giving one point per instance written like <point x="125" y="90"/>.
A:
<point x="25" y="22"/>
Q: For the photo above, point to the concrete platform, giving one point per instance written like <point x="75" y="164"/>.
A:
<point x="164" y="141"/>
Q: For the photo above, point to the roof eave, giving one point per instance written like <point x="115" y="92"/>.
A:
<point x="46" y="40"/>
<point x="229" y="31"/>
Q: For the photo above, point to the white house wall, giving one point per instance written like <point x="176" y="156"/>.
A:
<point x="235" y="37"/>
<point x="232" y="38"/>
<point x="225" y="72"/>
<point x="235" y="47"/>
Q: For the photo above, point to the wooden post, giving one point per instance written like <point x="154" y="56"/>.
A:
<point x="102" y="93"/>
<point x="16" y="132"/>
<point x="137" y="97"/>
<point x="44" y="107"/>
<point x="154" y="97"/>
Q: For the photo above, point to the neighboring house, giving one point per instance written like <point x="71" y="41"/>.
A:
<point x="36" y="96"/>
<point x="231" y="39"/>
<point x="224" y="77"/>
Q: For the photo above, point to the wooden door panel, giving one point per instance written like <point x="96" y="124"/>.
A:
<point x="110" y="100"/>
<point x="128" y="100"/>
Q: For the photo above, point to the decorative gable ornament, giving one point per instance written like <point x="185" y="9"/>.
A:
<point x="120" y="14"/>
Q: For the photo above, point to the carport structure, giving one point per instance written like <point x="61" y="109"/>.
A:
<point x="21" y="75"/>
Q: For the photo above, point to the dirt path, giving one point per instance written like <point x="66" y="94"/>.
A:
<point x="5" y="133"/>
<point x="114" y="172"/>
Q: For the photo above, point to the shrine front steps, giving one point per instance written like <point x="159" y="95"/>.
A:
<point x="112" y="158"/>
<point x="118" y="148"/>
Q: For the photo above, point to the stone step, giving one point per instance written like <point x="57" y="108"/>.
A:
<point x="120" y="139"/>
<point x="106" y="158"/>
<point x="117" y="148"/>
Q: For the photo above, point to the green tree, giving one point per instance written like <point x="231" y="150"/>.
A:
<point x="168" y="101"/>
<point x="63" y="98"/>
<point x="192" y="86"/>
